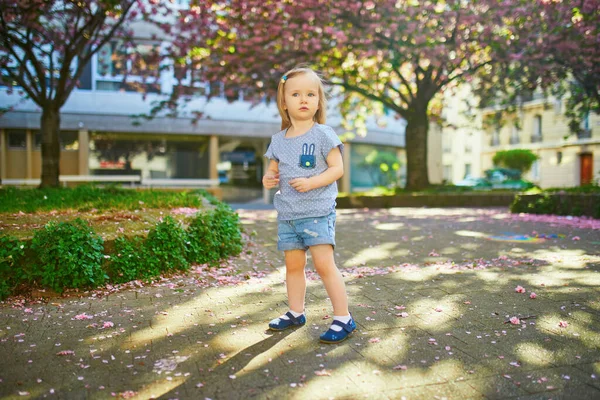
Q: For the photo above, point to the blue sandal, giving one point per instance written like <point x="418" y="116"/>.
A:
<point x="333" y="337"/>
<point x="284" y="324"/>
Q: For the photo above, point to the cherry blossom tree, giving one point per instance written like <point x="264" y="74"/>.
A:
<point x="44" y="47"/>
<point x="385" y="56"/>
<point x="46" y="44"/>
<point x="556" y="49"/>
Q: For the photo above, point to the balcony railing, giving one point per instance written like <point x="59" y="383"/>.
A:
<point x="584" y="134"/>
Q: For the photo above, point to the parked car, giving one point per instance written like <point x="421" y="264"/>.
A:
<point x="477" y="183"/>
<point x="505" y="178"/>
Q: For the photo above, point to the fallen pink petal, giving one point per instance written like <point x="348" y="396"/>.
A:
<point x="83" y="316"/>
<point x="515" y="321"/>
<point x="563" y="324"/>
<point x="520" y="289"/>
<point x="532" y="295"/>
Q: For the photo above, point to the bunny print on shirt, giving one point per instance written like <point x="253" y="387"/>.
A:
<point x="307" y="159"/>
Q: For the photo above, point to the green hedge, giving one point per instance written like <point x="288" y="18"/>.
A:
<point x="561" y="203"/>
<point x="71" y="255"/>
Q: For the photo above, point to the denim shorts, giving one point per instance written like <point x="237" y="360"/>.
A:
<point x="300" y="234"/>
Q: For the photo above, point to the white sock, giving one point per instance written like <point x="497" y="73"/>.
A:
<point x="294" y="313"/>
<point x="345" y="319"/>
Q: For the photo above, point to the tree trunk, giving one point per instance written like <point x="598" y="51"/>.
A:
<point x="417" y="176"/>
<point x="50" y="124"/>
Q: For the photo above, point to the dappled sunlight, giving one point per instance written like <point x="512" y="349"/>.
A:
<point x="428" y="325"/>
<point x="471" y="234"/>
<point x="160" y="387"/>
<point x="534" y="353"/>
<point x="467" y="219"/>
<point x="574" y="329"/>
<point x="494" y="277"/>
<point x="169" y="321"/>
<point x="449" y="250"/>
<point x="392" y="226"/>
<point x="417" y="238"/>
<point x="381" y="377"/>
<point x="556" y="252"/>
<point x="423" y="273"/>
<point x="392" y="344"/>
<point x="470" y="246"/>
<point x="376" y="253"/>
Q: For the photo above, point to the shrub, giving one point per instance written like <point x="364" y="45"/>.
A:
<point x="519" y="159"/>
<point x="227" y="224"/>
<point x="214" y="235"/>
<point x="11" y="252"/>
<point x="70" y="255"/>
<point x="127" y="263"/>
<point x="558" y="204"/>
<point x="165" y="248"/>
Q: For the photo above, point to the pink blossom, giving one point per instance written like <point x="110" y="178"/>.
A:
<point x="520" y="289"/>
<point x="402" y="315"/>
<point x="563" y="324"/>
<point x="438" y="309"/>
<point x="515" y="321"/>
<point x="401" y="367"/>
<point x="532" y="295"/>
<point x="83" y="316"/>
<point x="576" y="238"/>
<point x="108" y="324"/>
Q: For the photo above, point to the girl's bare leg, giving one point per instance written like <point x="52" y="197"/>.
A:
<point x="331" y="276"/>
<point x="295" y="277"/>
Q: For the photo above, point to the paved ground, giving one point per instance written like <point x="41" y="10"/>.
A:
<point x="432" y="291"/>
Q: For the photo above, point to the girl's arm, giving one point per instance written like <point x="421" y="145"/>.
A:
<point x="271" y="178"/>
<point x="334" y="172"/>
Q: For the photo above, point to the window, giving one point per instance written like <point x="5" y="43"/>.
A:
<point x="467" y="170"/>
<point x="536" y="135"/>
<point x="140" y="64"/>
<point x="495" y="137"/>
<point x="585" y="131"/>
<point x="559" y="157"/>
<point x="69" y="140"/>
<point x="557" y="106"/>
<point x="514" y="136"/>
<point x="447" y="173"/>
<point x="535" y="170"/>
<point x="187" y="82"/>
<point x="17" y="140"/>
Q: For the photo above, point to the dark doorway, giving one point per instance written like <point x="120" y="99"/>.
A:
<point x="586" y="168"/>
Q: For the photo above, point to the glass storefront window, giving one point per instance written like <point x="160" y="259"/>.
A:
<point x="17" y="139"/>
<point x="150" y="156"/>
<point x="69" y="140"/>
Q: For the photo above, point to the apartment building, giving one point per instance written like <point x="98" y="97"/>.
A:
<point x="461" y="136"/>
<point x="565" y="159"/>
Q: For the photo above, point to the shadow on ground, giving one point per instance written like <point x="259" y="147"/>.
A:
<point x="432" y="304"/>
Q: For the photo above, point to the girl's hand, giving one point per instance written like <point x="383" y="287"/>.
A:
<point x="270" y="180"/>
<point x="301" y="184"/>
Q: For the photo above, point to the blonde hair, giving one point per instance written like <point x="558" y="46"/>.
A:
<point x="321" y="114"/>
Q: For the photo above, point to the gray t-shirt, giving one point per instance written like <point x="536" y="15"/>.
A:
<point x="303" y="156"/>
